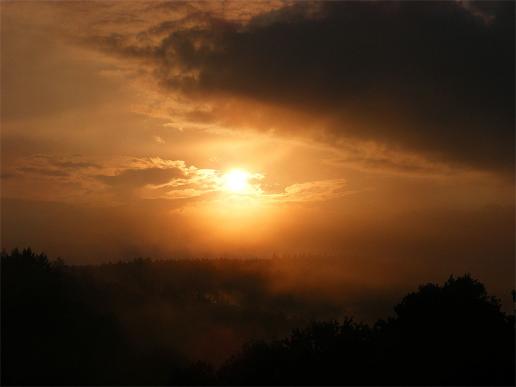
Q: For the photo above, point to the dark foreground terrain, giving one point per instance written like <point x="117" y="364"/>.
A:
<point x="144" y="322"/>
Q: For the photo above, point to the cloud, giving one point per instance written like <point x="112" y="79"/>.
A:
<point x="131" y="178"/>
<point x="43" y="171"/>
<point x="372" y="157"/>
<point x="158" y="139"/>
<point x="51" y="166"/>
<point x="74" y="164"/>
<point x="313" y="191"/>
<point x="196" y="184"/>
<point x="125" y="179"/>
<point x="432" y="78"/>
<point x="72" y="178"/>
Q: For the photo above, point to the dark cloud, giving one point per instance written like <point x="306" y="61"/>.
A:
<point x="434" y="77"/>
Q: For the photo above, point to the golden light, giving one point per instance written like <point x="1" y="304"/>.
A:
<point x="237" y="181"/>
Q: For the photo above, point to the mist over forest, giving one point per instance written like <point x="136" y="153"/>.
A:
<point x="231" y="321"/>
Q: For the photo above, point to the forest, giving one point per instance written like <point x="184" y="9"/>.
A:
<point x="217" y="322"/>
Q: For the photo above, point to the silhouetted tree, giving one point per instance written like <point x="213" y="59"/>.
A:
<point x="64" y="325"/>
<point x="453" y="334"/>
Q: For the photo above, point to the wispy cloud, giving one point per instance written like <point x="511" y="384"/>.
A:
<point x="312" y="191"/>
<point x="153" y="178"/>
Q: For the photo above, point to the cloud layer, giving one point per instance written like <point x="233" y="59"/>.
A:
<point x="432" y="77"/>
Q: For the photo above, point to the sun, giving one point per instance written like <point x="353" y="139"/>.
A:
<point x="237" y="181"/>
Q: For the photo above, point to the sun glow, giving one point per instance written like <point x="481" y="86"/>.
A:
<point x="237" y="181"/>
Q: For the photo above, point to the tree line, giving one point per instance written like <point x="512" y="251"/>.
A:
<point x="59" y="328"/>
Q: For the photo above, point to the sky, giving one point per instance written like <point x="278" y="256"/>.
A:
<point x="381" y="133"/>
